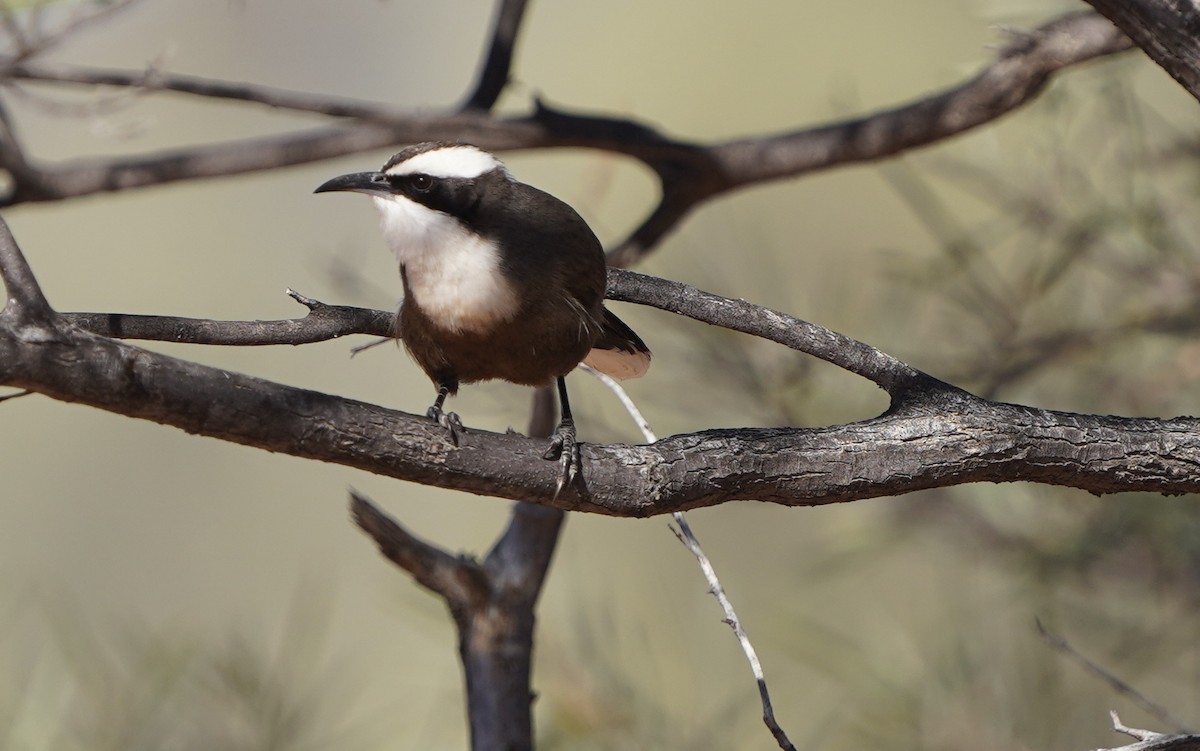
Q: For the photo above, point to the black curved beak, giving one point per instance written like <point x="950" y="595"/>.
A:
<point x="357" y="182"/>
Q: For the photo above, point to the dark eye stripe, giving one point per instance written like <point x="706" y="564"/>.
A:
<point x="419" y="182"/>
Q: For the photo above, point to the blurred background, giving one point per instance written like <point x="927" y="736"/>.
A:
<point x="164" y="591"/>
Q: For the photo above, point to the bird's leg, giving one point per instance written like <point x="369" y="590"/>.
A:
<point x="447" y="420"/>
<point x="562" y="445"/>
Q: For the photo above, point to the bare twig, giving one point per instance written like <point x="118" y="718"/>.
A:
<point x="324" y="322"/>
<point x="1148" y="740"/>
<point x="458" y="579"/>
<point x="154" y="79"/>
<point x="32" y="39"/>
<point x="1060" y="644"/>
<point x="683" y="532"/>
<point x="690" y="174"/>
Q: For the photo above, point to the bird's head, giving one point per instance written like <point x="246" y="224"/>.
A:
<point x="426" y="190"/>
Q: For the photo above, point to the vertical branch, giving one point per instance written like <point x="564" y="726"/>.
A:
<point x="493" y="77"/>
<point x="493" y="603"/>
<point x="25" y="299"/>
<point x="497" y="635"/>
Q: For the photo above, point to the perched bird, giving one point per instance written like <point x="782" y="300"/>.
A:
<point x="501" y="280"/>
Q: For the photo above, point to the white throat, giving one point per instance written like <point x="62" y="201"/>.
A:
<point x="453" y="274"/>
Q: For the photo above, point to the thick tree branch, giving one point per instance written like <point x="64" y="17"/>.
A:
<point x="933" y="436"/>
<point x="1166" y="30"/>
<point x="942" y="440"/>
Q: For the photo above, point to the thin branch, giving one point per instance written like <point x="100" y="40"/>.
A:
<point x="331" y="321"/>
<point x="33" y="40"/>
<point x="690" y="173"/>
<point x="1149" y="740"/>
<point x="324" y="322"/>
<point x="1060" y="644"/>
<point x="684" y="533"/>
<point x="887" y="372"/>
<point x="1019" y="73"/>
<point x="25" y="299"/>
<point x="153" y="79"/>
<point x="493" y="77"/>
<point x="458" y="579"/>
<point x="12" y="153"/>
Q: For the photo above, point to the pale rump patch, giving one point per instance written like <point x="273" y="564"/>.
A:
<point x="453" y="274"/>
<point x="451" y="161"/>
<point x="618" y="363"/>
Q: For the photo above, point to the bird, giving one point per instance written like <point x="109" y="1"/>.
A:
<point x="501" y="280"/>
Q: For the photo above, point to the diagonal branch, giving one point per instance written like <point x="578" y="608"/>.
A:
<point x="1166" y="30"/>
<point x="690" y="173"/>
<point x="1020" y="71"/>
<point x="457" y="579"/>
<point x="25" y="300"/>
<point x="493" y="77"/>
<point x="887" y="372"/>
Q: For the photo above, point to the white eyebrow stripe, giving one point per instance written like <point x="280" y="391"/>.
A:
<point x="452" y="161"/>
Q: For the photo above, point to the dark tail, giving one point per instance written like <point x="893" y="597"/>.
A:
<point x="619" y="352"/>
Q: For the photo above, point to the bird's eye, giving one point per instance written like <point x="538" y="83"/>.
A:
<point x="421" y="183"/>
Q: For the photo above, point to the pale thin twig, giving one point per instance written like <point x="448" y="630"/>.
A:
<point x="684" y="533"/>
<point x="1148" y="740"/>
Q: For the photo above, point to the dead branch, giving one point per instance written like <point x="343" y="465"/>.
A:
<point x="689" y="173"/>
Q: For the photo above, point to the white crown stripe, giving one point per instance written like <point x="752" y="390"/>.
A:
<point x="452" y="161"/>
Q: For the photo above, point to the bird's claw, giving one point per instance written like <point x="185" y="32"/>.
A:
<point x="565" y="449"/>
<point x="448" y="420"/>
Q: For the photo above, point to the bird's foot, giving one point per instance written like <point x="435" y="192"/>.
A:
<point x="448" y="420"/>
<point x="565" y="449"/>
